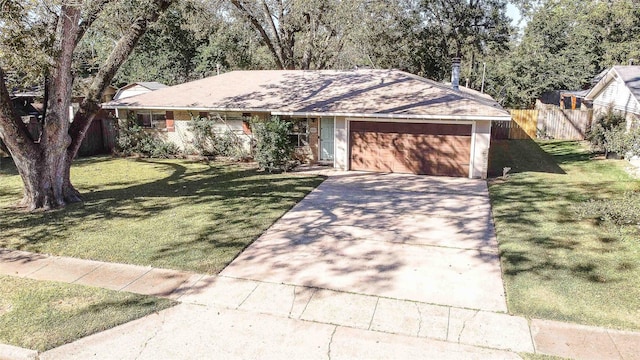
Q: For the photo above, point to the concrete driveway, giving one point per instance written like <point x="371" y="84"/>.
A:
<point x="418" y="238"/>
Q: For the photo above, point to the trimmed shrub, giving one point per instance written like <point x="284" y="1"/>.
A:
<point x="605" y="122"/>
<point x="133" y="139"/>
<point x="203" y="135"/>
<point x="230" y="145"/>
<point x="621" y="211"/>
<point x="209" y="143"/>
<point x="273" y="149"/>
<point x="623" y="142"/>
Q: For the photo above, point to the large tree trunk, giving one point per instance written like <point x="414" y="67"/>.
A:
<point x="55" y="132"/>
<point x="44" y="165"/>
<point x="28" y="155"/>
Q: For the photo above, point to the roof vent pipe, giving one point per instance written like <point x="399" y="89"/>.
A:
<point x="455" y="73"/>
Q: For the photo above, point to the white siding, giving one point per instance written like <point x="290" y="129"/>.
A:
<point x="341" y="144"/>
<point x="480" y="149"/>
<point x="182" y="136"/>
<point x="616" y="94"/>
<point x="132" y="91"/>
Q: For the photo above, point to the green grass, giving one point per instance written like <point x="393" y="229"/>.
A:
<point x="556" y="266"/>
<point x="41" y="315"/>
<point x="173" y="214"/>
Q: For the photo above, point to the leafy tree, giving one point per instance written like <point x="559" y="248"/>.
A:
<point x="165" y="52"/>
<point x="232" y="45"/>
<point x="273" y="150"/>
<point x="565" y="43"/>
<point x="460" y="28"/>
<point x="320" y="34"/>
<point x="416" y="36"/>
<point x="40" y="38"/>
<point x="383" y="34"/>
<point x="295" y="32"/>
<point x="616" y="28"/>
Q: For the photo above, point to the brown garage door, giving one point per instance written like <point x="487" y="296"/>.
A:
<point x="418" y="148"/>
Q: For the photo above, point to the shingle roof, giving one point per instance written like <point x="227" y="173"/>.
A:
<point x="631" y="77"/>
<point x="152" y="85"/>
<point x="390" y="93"/>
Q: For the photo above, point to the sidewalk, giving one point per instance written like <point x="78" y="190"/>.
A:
<point x="243" y="318"/>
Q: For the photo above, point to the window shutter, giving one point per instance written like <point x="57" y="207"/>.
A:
<point x="170" y="123"/>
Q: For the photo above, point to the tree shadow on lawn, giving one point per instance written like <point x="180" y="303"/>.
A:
<point x="103" y="314"/>
<point x="521" y="156"/>
<point x="550" y="268"/>
<point x="8" y="167"/>
<point x="234" y="187"/>
<point x="535" y="216"/>
<point x="564" y="152"/>
<point x="530" y="243"/>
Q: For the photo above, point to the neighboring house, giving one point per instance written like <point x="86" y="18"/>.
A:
<point x="137" y="88"/>
<point x="99" y="138"/>
<point x="371" y="120"/>
<point x="563" y="99"/>
<point x="618" y="89"/>
<point x="573" y="100"/>
<point x="26" y="105"/>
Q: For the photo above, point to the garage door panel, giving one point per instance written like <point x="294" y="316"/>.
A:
<point x="453" y="168"/>
<point x="419" y="148"/>
<point x="363" y="152"/>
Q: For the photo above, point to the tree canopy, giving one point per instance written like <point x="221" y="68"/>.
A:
<point x="65" y="47"/>
<point x="565" y="44"/>
<point x="40" y="39"/>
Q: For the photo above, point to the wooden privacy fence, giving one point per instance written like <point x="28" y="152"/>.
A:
<point x="100" y="137"/>
<point x="527" y="120"/>
<point x="544" y="123"/>
<point x="564" y="124"/>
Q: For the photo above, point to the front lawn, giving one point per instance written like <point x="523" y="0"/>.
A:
<point x="41" y="315"/>
<point x="173" y="214"/>
<point x="555" y="265"/>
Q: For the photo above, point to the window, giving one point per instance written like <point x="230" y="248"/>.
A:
<point x="152" y="119"/>
<point x="299" y="135"/>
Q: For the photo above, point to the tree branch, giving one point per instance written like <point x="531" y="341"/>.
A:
<point x="256" y="24"/>
<point x="94" y="11"/>
<point x="12" y="130"/>
<point x="91" y="103"/>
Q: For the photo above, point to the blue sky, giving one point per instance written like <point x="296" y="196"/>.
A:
<point x="514" y="14"/>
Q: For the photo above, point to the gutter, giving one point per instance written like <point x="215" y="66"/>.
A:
<point x="398" y="116"/>
<point x="506" y="117"/>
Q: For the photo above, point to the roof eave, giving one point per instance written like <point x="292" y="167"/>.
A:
<point x="505" y="117"/>
<point x="399" y="116"/>
<point x="181" y="108"/>
<point x="600" y="85"/>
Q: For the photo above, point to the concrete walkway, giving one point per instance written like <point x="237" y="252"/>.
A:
<point x="225" y="317"/>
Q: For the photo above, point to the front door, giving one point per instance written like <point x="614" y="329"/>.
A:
<point x="326" y="139"/>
